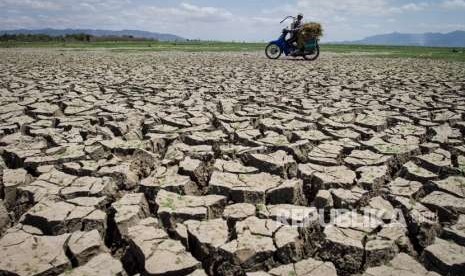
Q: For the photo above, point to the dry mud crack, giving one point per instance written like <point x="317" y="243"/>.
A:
<point x="230" y="164"/>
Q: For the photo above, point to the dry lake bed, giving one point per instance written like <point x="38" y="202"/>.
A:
<point x="123" y="163"/>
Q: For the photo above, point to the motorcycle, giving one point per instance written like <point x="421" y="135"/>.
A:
<point x="276" y="48"/>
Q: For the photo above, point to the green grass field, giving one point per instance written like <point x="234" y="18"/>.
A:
<point x="457" y="54"/>
<point x="192" y="46"/>
<point x="453" y="54"/>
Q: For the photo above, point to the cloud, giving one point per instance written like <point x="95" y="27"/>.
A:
<point x="371" y="8"/>
<point x="372" y="26"/>
<point x="64" y="6"/>
<point x="349" y="7"/>
<point x="414" y="6"/>
<point x="182" y="14"/>
<point x="31" y="4"/>
<point x="114" y="14"/>
<point x="205" y="12"/>
<point x="442" y="27"/>
<point x="453" y="4"/>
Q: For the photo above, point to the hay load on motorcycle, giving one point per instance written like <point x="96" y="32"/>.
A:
<point x="299" y="40"/>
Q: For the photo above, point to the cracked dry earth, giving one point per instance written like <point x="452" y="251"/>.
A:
<point x="181" y="164"/>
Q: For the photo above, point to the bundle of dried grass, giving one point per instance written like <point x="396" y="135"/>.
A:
<point x="311" y="30"/>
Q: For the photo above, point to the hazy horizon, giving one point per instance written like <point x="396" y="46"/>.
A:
<point x="242" y="20"/>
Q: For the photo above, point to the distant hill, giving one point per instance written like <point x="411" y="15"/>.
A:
<point x="63" y="32"/>
<point x="453" y="39"/>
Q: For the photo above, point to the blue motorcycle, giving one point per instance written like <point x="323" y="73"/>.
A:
<point x="276" y="48"/>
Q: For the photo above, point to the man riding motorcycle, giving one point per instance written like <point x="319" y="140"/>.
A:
<point x="296" y="26"/>
<point x="305" y="34"/>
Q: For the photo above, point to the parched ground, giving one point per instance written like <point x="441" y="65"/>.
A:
<point x="191" y="164"/>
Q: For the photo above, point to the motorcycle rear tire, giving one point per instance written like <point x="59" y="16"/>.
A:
<point x="313" y="56"/>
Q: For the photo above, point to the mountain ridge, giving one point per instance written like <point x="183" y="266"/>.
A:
<point x="431" y="39"/>
<point x="96" y="32"/>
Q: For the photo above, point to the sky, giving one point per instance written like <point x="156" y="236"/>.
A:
<point x="237" y="20"/>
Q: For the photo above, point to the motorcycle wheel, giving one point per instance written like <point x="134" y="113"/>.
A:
<point x="273" y="51"/>
<point x="313" y="56"/>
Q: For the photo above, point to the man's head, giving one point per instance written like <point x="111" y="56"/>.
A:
<point x="300" y="16"/>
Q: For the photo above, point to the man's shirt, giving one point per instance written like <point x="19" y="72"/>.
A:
<point x="296" y="25"/>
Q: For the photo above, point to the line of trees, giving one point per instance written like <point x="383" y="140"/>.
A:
<point x="66" y="38"/>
